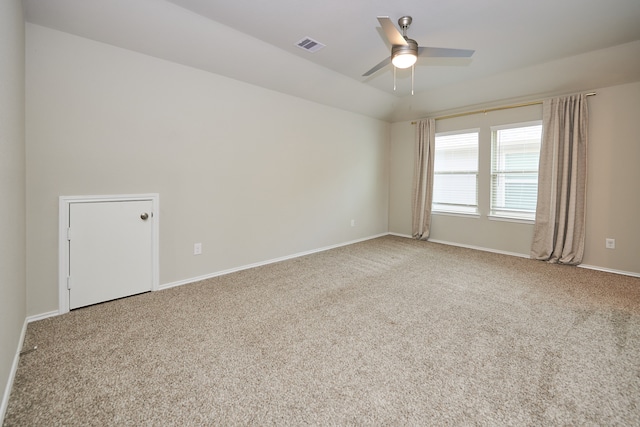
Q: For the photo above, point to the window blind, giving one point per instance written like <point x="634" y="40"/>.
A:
<point x="515" y="154"/>
<point x="455" y="180"/>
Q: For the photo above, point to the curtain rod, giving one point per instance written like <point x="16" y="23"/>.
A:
<point x="488" y="110"/>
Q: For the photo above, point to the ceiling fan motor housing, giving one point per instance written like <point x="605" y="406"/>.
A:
<point x="410" y="48"/>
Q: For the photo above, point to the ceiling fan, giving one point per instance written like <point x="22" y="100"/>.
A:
<point x="405" y="51"/>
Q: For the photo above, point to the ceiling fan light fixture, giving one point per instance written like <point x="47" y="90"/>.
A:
<point x="404" y="60"/>
<point x="404" y="56"/>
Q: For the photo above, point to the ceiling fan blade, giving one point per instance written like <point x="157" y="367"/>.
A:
<point x="441" y="52"/>
<point x="382" y="64"/>
<point x="393" y="35"/>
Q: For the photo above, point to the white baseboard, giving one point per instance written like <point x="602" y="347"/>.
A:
<point x="609" y="270"/>
<point x="16" y="359"/>
<point x="41" y="316"/>
<point x="12" y="373"/>
<point x="480" y="248"/>
<point x="261" y="263"/>
<point x="408" y="236"/>
<point x="587" y="266"/>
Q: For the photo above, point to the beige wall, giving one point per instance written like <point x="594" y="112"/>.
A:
<point x="613" y="197"/>
<point x="613" y="188"/>
<point x="12" y="188"/>
<point x="250" y="173"/>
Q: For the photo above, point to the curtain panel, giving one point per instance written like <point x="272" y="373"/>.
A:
<point x="423" y="178"/>
<point x="558" y="235"/>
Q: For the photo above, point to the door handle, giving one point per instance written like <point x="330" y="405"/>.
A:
<point x="144" y="216"/>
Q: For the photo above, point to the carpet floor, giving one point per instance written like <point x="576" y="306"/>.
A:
<point x="389" y="331"/>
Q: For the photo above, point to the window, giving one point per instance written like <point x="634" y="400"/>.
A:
<point x="515" y="152"/>
<point x="455" y="173"/>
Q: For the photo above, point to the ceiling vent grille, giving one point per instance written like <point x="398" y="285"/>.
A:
<point x="310" y="45"/>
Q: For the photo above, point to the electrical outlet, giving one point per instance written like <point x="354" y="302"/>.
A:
<point x="353" y="222"/>
<point x="197" y="248"/>
<point x="610" y="243"/>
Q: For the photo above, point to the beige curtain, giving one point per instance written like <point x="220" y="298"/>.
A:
<point x="558" y="235"/>
<point x="423" y="178"/>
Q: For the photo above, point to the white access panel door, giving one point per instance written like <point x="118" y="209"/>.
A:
<point x="110" y="250"/>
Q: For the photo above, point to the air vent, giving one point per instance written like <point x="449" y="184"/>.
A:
<point x="310" y="45"/>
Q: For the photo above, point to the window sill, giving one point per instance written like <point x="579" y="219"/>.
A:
<point x="510" y="219"/>
<point x="460" y="214"/>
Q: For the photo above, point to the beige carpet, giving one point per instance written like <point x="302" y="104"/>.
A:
<point x="385" y="332"/>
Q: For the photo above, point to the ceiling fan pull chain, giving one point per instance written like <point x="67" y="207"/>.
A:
<point x="394" y="78"/>
<point x="413" y="68"/>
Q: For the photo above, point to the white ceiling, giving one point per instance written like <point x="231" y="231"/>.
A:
<point x="523" y="48"/>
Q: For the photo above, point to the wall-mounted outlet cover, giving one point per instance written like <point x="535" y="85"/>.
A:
<point x="197" y="248"/>
<point x="610" y="243"/>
